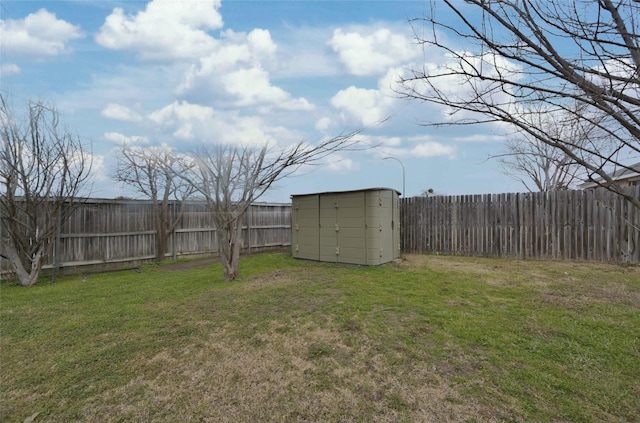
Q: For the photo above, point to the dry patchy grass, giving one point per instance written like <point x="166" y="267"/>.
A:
<point x="309" y="374"/>
<point x="433" y="339"/>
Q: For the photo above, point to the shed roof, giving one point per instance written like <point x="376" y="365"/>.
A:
<point x="348" y="191"/>
<point x="618" y="175"/>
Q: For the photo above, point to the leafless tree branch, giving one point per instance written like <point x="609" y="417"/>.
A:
<point x="581" y="59"/>
<point x="43" y="169"/>
<point x="230" y="178"/>
<point x="152" y="171"/>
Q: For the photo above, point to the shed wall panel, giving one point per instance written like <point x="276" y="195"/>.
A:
<point x="305" y="225"/>
<point x="328" y="234"/>
<point x="351" y="228"/>
<point x="358" y="227"/>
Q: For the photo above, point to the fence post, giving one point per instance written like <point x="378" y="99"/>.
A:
<point x="173" y="231"/>
<point x="249" y="222"/>
<point x="56" y="247"/>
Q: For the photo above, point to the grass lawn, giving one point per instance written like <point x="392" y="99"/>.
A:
<point x="433" y="339"/>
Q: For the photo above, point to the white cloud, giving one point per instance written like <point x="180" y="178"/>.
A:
<point x="386" y="141"/>
<point x="339" y="163"/>
<point x="181" y="111"/>
<point x="164" y="31"/>
<point x="323" y="124"/>
<point x="411" y="147"/>
<point x="368" y="106"/>
<point x="38" y="35"/>
<point x="202" y="124"/>
<point x="234" y="73"/>
<point x="181" y="116"/>
<point x="251" y="87"/>
<point x="447" y="77"/>
<point x="99" y="169"/>
<point x="621" y="74"/>
<point x="119" y="112"/>
<point x="481" y="138"/>
<point x="118" y="138"/>
<point x="366" y="55"/>
<point x="8" y="69"/>
<point x="360" y="103"/>
<point x="432" y="149"/>
<point x="261" y="44"/>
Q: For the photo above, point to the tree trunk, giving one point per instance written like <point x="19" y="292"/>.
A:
<point x="229" y="243"/>
<point x="161" y="243"/>
<point x="25" y="278"/>
<point x="161" y="218"/>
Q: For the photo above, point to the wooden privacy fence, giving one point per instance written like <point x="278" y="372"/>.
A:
<point x="111" y="234"/>
<point x="582" y="225"/>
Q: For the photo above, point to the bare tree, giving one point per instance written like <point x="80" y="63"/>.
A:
<point x="152" y="171"/>
<point x="538" y="166"/>
<point x="542" y="167"/>
<point x="230" y="178"/>
<point x="428" y="192"/>
<point x="43" y="168"/>
<point x="524" y="55"/>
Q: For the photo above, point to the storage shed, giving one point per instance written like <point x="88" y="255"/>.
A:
<point x="358" y="227"/>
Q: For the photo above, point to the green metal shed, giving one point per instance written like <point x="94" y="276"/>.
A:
<point x="358" y="227"/>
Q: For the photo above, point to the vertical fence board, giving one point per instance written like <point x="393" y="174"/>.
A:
<point x="112" y="232"/>
<point x="584" y="225"/>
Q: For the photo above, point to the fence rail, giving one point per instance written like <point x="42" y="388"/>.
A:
<point x="112" y="234"/>
<point x="582" y="225"/>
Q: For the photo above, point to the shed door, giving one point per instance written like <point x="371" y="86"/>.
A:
<point x="351" y="218"/>
<point x="328" y="227"/>
<point x="305" y="227"/>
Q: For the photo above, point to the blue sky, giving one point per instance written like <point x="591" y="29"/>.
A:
<point x="188" y="73"/>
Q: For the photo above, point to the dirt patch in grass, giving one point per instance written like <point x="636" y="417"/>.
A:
<point x="310" y="375"/>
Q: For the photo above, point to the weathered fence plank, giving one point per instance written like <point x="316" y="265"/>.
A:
<point x="113" y="234"/>
<point x="577" y="225"/>
<point x="583" y="225"/>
